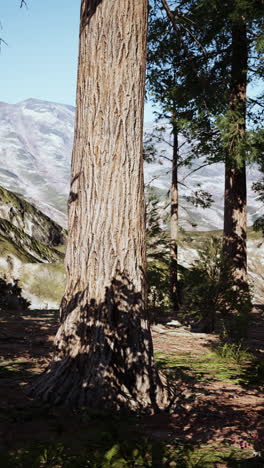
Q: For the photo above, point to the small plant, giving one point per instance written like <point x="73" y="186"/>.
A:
<point x="233" y="351"/>
<point x="158" y="258"/>
<point x="211" y="302"/>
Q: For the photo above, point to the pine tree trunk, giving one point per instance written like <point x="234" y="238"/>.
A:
<point x="235" y="214"/>
<point x="174" y="224"/>
<point x="104" y="355"/>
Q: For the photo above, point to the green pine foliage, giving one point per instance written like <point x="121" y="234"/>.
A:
<point x="189" y="71"/>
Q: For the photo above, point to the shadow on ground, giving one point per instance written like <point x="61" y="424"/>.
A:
<point x="25" y="349"/>
<point x="206" y="428"/>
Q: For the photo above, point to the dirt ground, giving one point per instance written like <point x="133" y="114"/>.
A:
<point x="213" y="412"/>
<point x="218" y="412"/>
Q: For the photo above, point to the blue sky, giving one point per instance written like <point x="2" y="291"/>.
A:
<point x="40" y="60"/>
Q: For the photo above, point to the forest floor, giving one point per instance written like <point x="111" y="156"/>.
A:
<point x="217" y="420"/>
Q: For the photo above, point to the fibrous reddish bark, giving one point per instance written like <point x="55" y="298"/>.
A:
<point x="104" y="355"/>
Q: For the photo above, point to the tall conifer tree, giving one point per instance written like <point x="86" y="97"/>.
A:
<point x="222" y="44"/>
<point x="104" y="356"/>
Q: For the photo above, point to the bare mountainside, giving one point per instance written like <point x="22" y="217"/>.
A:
<point x="36" y="142"/>
<point x="31" y="250"/>
<point x="35" y="152"/>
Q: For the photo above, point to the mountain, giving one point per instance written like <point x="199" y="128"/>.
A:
<point x="32" y="233"/>
<point x="35" y="151"/>
<point x="27" y="218"/>
<point x="35" y="148"/>
<point x="31" y="250"/>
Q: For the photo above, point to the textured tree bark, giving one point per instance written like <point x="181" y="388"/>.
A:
<point x="104" y="355"/>
<point x="174" y="224"/>
<point x="235" y="213"/>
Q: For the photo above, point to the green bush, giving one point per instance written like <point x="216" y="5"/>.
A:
<point x="211" y="302"/>
<point x="11" y="299"/>
<point x="159" y="304"/>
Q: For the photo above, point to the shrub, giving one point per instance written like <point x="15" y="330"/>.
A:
<point x="233" y="351"/>
<point x="211" y="302"/>
<point x="11" y="298"/>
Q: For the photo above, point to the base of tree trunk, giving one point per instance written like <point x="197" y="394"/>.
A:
<point x="97" y="391"/>
<point x="104" y="357"/>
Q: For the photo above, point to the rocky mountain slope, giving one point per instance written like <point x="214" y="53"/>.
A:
<point x="26" y="217"/>
<point x="35" y="151"/>
<point x="31" y="249"/>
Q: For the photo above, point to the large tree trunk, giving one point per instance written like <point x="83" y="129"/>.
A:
<point x="235" y="215"/>
<point x="104" y="355"/>
<point x="174" y="222"/>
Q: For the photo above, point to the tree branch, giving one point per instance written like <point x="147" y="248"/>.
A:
<point x="2" y="42"/>
<point x="255" y="102"/>
<point x="198" y="168"/>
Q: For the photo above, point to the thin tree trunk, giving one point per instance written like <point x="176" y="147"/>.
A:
<point x="235" y="214"/>
<point x="174" y="224"/>
<point x="235" y="223"/>
<point x="104" y="355"/>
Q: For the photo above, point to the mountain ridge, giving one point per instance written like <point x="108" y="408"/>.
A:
<point x="36" y="140"/>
